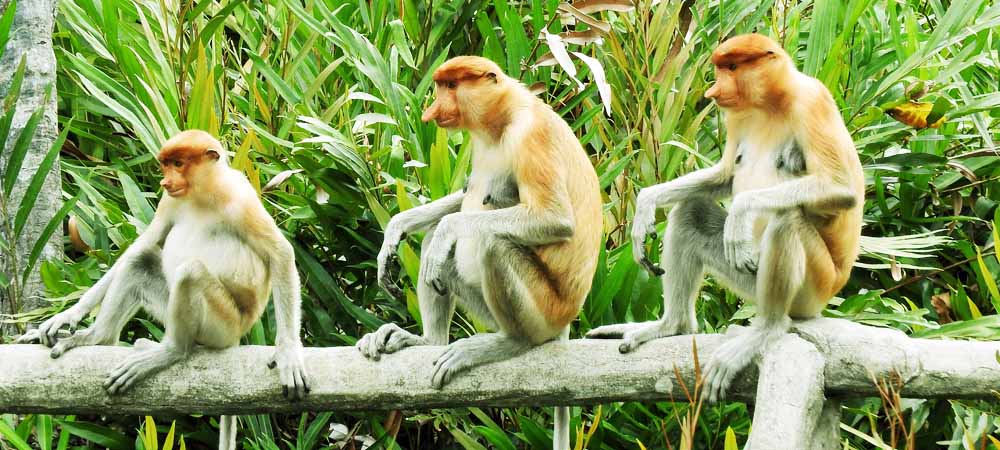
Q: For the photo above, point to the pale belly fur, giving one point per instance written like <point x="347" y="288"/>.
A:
<point x="223" y="252"/>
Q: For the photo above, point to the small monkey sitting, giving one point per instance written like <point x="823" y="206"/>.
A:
<point x="204" y="268"/>
<point x="791" y="234"/>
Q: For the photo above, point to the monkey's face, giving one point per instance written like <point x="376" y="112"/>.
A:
<point x="444" y="110"/>
<point x="747" y="69"/>
<point x="175" y="177"/>
<point x="183" y="168"/>
<point x="725" y="91"/>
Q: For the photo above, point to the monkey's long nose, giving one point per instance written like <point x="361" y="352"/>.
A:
<point x="713" y="91"/>
<point x="430" y="113"/>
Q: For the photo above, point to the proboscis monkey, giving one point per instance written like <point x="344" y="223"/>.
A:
<point x="525" y="232"/>
<point x="204" y="268"/>
<point x="790" y="236"/>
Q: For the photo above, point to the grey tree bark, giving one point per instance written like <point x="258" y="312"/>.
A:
<point x="31" y="38"/>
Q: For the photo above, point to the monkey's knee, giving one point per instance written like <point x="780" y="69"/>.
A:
<point x="189" y="274"/>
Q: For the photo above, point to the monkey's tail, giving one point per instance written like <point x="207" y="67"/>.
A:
<point x="560" y="430"/>
<point x="227" y="432"/>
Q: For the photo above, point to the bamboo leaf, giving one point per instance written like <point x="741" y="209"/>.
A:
<point x="37" y="180"/>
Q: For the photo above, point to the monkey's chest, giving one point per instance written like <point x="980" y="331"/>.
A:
<point x="482" y="193"/>
<point x="222" y="249"/>
<point x="764" y="166"/>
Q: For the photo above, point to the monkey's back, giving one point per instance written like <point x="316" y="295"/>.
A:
<point x="574" y="261"/>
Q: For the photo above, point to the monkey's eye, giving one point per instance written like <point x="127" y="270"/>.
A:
<point x="452" y="84"/>
<point x="177" y="163"/>
<point x="732" y="67"/>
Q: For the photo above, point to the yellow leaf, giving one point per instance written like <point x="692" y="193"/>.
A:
<point x="731" y="439"/>
<point x="242" y="162"/>
<point x="183" y="446"/>
<point x="914" y="114"/>
<point x="641" y="447"/>
<point x="991" y="283"/>
<point x="401" y="198"/>
<point x="149" y="440"/>
<point x="996" y="443"/>
<point x="973" y="309"/>
<point x="168" y="442"/>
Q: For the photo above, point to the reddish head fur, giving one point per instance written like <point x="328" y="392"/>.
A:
<point x="181" y="155"/>
<point x="465" y="68"/>
<point x="751" y="71"/>
<point x="744" y="48"/>
<point x="471" y="93"/>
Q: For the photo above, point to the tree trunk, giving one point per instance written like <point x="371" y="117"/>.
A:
<point x="31" y="38"/>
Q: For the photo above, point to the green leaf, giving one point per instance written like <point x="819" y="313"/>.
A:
<point x="23" y="143"/>
<point x="467" y="442"/>
<point x="96" y="434"/>
<point x="37" y="180"/>
<point x="5" y="22"/>
<point x="43" y="431"/>
<point x="12" y="437"/>
<point x="55" y="223"/>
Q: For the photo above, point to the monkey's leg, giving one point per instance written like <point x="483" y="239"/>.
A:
<point x="780" y="279"/>
<point x="138" y="283"/>
<point x="692" y="243"/>
<point x="513" y="286"/>
<point x="436" y="310"/>
<point x="200" y="310"/>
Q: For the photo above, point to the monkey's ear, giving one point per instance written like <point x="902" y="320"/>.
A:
<point x="213" y="153"/>
<point x="491" y="76"/>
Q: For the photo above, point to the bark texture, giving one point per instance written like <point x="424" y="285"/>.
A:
<point x="31" y="38"/>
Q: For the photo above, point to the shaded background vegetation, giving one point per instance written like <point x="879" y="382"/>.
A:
<point x="319" y="101"/>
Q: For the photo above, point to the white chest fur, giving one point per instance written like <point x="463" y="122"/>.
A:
<point x="203" y="236"/>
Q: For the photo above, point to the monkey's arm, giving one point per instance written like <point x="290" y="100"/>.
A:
<point x="410" y="221"/>
<point x="714" y="182"/>
<point x="154" y="235"/>
<point x="520" y="224"/>
<point x="813" y="192"/>
<point x="287" y="294"/>
<point x="818" y="194"/>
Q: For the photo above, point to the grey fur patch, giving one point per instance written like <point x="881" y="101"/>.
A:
<point x="503" y="193"/>
<point x="791" y="159"/>
<point x="148" y="262"/>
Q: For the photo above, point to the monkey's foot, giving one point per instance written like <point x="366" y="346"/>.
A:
<point x="635" y="334"/>
<point x="389" y="338"/>
<point x="143" y="344"/>
<point x="734" y="355"/>
<point x="80" y="338"/>
<point x="473" y="351"/>
<point x="139" y="366"/>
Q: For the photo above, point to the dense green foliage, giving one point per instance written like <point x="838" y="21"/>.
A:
<point x="322" y="100"/>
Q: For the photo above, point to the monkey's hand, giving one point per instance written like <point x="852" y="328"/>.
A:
<point x="740" y="250"/>
<point x="643" y="227"/>
<point x="433" y="258"/>
<point x="48" y="331"/>
<point x="291" y="370"/>
<point x="388" y="262"/>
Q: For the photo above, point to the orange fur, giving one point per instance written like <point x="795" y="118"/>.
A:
<point x="765" y="99"/>
<point x="555" y="178"/>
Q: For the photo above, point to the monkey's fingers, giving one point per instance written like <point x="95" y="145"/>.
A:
<point x="439" y="287"/>
<point x="651" y="267"/>
<point x="393" y="290"/>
